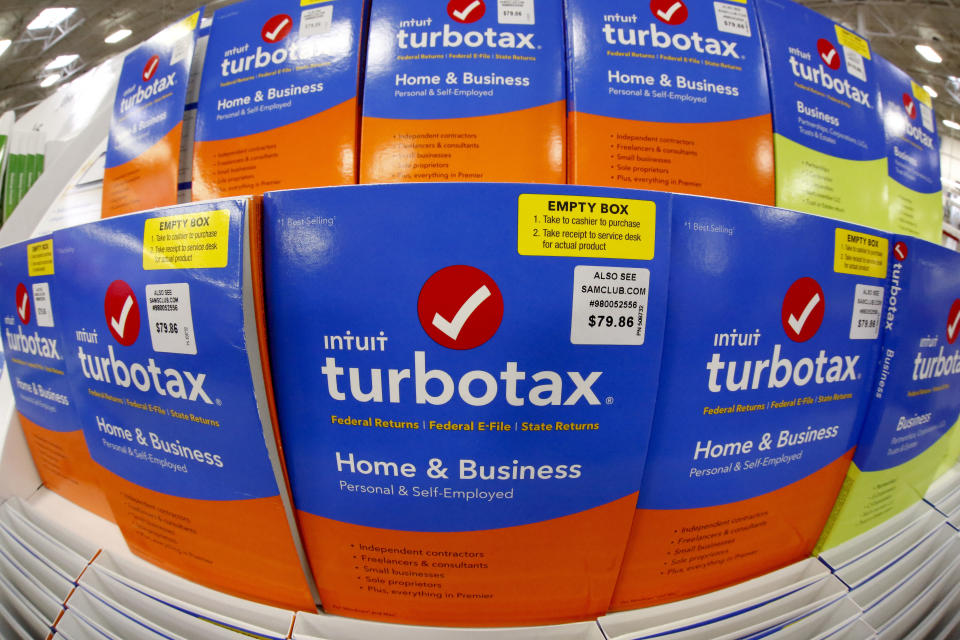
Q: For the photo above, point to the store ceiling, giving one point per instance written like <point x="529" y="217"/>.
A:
<point x="893" y="26"/>
<point x="22" y="66"/>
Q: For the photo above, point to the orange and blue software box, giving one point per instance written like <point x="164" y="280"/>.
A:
<point x="278" y="105"/>
<point x="33" y="319"/>
<point x="147" y="121"/>
<point x="465" y="420"/>
<point x="765" y="381"/>
<point x="468" y="90"/>
<point x="669" y="95"/>
<point x="156" y="346"/>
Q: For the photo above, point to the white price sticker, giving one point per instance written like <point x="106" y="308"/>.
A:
<point x="732" y="18"/>
<point x="609" y="305"/>
<point x="867" y="305"/>
<point x="515" y="12"/>
<point x="171" y="320"/>
<point x="855" y="66"/>
<point x="42" y="305"/>
<point x="316" y="22"/>
<point x="926" y="116"/>
<point x="181" y="48"/>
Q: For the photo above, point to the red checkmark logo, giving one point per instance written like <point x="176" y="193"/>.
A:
<point x="802" y="310"/>
<point x="828" y="53"/>
<point x="909" y="106"/>
<point x="150" y="68"/>
<point x="276" y="28"/>
<point x="460" y="307"/>
<point x="953" y="322"/>
<point x="672" y="12"/>
<point x="466" y="11"/>
<point x="122" y="313"/>
<point x="23" y="303"/>
<point x="900" y="251"/>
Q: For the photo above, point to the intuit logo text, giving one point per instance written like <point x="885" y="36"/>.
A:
<point x="919" y="135"/>
<point x="658" y="39"/>
<point x="112" y="370"/>
<point x="936" y="366"/>
<point x="33" y="344"/>
<point x="241" y="59"/>
<point x="155" y="88"/>
<point x="801" y="315"/>
<point x="476" y="387"/>
<point x="459" y="307"/>
<point x="619" y="29"/>
<point x="780" y="372"/>
<point x="818" y="75"/>
<point x="148" y="91"/>
<point x="448" y="38"/>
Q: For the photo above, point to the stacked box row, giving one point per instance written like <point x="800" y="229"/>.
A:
<point x="755" y="100"/>
<point x="489" y="404"/>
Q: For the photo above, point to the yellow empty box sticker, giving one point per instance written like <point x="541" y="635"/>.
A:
<point x="40" y="258"/>
<point x="921" y="94"/>
<point x="560" y="225"/>
<point x="190" y="22"/>
<point x="187" y="241"/>
<point x="853" y="41"/>
<point x="860" y="254"/>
